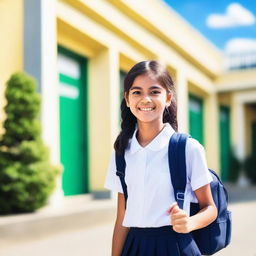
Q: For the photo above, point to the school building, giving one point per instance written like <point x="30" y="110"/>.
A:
<point x="79" y="52"/>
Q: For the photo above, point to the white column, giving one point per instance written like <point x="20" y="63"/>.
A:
<point x="40" y="61"/>
<point x="211" y="131"/>
<point x="49" y="79"/>
<point x="238" y="133"/>
<point x="238" y="127"/>
<point x="114" y="92"/>
<point x="103" y="115"/>
<point x="50" y="89"/>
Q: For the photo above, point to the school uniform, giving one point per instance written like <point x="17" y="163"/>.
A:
<point x="150" y="193"/>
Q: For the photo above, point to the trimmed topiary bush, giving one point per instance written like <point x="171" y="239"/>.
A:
<point x="26" y="176"/>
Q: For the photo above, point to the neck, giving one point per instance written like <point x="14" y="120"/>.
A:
<point x="148" y="131"/>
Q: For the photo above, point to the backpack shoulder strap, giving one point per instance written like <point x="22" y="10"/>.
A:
<point x="120" y="167"/>
<point x="177" y="165"/>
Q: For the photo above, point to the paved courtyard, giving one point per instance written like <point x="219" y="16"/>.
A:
<point x="96" y="241"/>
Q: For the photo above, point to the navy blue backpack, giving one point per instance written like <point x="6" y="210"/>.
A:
<point x="215" y="236"/>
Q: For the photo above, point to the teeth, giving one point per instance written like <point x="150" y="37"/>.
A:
<point x="146" y="109"/>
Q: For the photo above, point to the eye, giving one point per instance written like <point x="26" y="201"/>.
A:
<point x="136" y="92"/>
<point x="155" y="92"/>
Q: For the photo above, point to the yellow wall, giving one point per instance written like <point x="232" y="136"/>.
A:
<point x="11" y="50"/>
<point x="224" y="98"/>
<point x="99" y="28"/>
<point x="115" y="34"/>
<point x="185" y="40"/>
<point x="236" y="80"/>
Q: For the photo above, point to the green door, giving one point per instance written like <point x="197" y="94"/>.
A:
<point x="196" y="118"/>
<point x="73" y="129"/>
<point x="224" y="141"/>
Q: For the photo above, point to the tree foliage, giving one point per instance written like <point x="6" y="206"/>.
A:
<point x="27" y="177"/>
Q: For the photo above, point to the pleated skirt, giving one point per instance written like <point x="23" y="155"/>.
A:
<point x="161" y="241"/>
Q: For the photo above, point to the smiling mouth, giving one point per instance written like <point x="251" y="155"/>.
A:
<point x="146" y="109"/>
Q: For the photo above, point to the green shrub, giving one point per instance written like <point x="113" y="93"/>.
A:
<point x="26" y="176"/>
<point x="250" y="168"/>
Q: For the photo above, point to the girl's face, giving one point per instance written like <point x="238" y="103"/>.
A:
<point x="147" y="99"/>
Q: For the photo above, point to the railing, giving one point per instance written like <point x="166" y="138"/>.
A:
<point x="240" y="61"/>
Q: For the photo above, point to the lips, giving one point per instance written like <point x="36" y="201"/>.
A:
<point x="146" y="109"/>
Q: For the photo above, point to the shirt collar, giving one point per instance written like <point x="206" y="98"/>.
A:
<point x="156" y="144"/>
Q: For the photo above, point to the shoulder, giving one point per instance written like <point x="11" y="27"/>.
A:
<point x="196" y="163"/>
<point x="193" y="146"/>
<point x="112" y="181"/>
<point x="112" y="164"/>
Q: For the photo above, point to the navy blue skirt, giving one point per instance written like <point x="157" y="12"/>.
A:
<point x="162" y="241"/>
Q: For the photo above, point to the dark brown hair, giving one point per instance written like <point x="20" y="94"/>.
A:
<point x="128" y="119"/>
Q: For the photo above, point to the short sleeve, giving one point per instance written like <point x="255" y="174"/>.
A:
<point x="197" y="170"/>
<point x="112" y="181"/>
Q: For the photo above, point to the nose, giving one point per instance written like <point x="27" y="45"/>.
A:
<point x="146" y="99"/>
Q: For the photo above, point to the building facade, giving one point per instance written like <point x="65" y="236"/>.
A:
<point x="79" y="52"/>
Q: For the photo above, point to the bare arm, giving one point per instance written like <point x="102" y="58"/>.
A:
<point x="120" y="232"/>
<point x="208" y="212"/>
<point x="182" y="223"/>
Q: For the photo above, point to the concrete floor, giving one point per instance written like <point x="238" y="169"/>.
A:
<point x="96" y="240"/>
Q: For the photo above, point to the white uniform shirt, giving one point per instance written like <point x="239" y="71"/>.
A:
<point x="148" y="180"/>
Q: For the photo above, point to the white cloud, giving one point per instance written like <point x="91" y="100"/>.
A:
<point x="236" y="15"/>
<point x="240" y="45"/>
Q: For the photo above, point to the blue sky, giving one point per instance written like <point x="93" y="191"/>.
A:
<point x="227" y="24"/>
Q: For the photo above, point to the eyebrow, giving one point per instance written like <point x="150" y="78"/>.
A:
<point x="139" y="88"/>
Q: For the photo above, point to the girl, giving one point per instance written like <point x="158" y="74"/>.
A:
<point x="152" y="219"/>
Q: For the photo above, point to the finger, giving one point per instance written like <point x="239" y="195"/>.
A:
<point x="179" y="221"/>
<point x="179" y="215"/>
<point x="169" y="210"/>
<point x="178" y="228"/>
<point x="175" y="209"/>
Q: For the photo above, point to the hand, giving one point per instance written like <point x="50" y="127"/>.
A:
<point x="181" y="222"/>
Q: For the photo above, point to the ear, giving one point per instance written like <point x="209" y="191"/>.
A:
<point x="169" y="98"/>
<point x="126" y="99"/>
